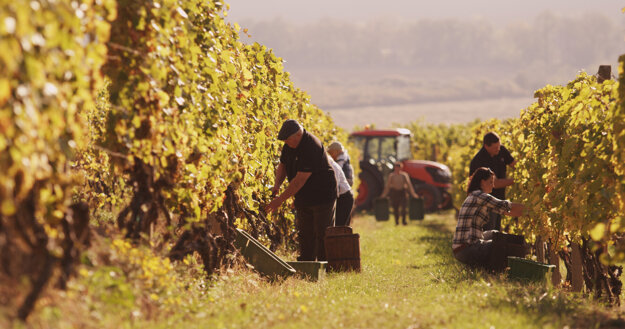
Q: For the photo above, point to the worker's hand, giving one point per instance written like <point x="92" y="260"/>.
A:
<point x="273" y="205"/>
<point x="516" y="210"/>
<point x="416" y="196"/>
<point x="488" y="235"/>
<point x="275" y="190"/>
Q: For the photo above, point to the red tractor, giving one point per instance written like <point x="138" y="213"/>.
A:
<point x="380" y="149"/>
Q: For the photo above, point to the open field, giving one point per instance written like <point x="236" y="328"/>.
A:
<point x="437" y="112"/>
<point x="384" y="97"/>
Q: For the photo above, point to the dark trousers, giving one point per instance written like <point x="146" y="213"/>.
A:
<point x="493" y="254"/>
<point x="476" y="254"/>
<point x="505" y="245"/>
<point x="311" y="223"/>
<point x="344" y="205"/>
<point x="494" y="222"/>
<point x="399" y="203"/>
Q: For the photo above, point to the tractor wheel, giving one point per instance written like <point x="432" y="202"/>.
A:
<point x="431" y="196"/>
<point x="368" y="190"/>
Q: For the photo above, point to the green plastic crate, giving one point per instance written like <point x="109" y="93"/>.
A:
<point x="264" y="261"/>
<point x="416" y="209"/>
<point x="529" y="270"/>
<point x="311" y="270"/>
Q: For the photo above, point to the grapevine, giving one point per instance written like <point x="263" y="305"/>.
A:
<point x="180" y="142"/>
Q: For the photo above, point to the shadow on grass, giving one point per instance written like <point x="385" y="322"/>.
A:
<point x="436" y="243"/>
<point x="439" y="242"/>
<point x="436" y="226"/>
<point x="545" y="305"/>
<point x="549" y="305"/>
<point x="432" y="238"/>
<point x="427" y="266"/>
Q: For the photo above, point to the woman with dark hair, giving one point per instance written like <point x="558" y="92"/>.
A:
<point x="471" y="245"/>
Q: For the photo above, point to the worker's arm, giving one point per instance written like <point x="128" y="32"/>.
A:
<point x="280" y="176"/>
<point x="294" y="186"/>
<point x="503" y="182"/>
<point x="507" y="156"/>
<point x="516" y="209"/>
<point x="412" y="192"/>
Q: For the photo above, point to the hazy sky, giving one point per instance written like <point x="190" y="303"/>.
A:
<point x="354" y="93"/>
<point x="497" y="11"/>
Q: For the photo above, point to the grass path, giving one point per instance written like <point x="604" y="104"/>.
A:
<point x="409" y="279"/>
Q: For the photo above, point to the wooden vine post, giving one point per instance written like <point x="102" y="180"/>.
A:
<point x="434" y="152"/>
<point x="556" y="277"/>
<point x="577" y="278"/>
<point x="540" y="249"/>
<point x="604" y="73"/>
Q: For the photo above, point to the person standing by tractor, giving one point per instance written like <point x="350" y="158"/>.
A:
<point x="306" y="165"/>
<point x="496" y="157"/>
<point x="398" y="186"/>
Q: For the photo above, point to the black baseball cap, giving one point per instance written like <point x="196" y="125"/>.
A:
<point x="289" y="127"/>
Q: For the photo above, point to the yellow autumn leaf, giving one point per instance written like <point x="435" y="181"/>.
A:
<point x="5" y="90"/>
<point x="597" y="232"/>
<point x="8" y="208"/>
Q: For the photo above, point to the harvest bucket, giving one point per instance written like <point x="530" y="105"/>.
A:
<point x="416" y="209"/>
<point x="505" y="245"/>
<point x="342" y="249"/>
<point x="381" y="208"/>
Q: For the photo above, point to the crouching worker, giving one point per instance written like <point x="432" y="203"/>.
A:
<point x="471" y="245"/>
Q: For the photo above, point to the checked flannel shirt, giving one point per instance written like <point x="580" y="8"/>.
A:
<point x="474" y="214"/>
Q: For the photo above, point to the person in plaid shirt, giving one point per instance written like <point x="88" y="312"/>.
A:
<point x="471" y="245"/>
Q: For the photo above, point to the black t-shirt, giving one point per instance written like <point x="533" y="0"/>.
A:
<point x="498" y="164"/>
<point x="310" y="156"/>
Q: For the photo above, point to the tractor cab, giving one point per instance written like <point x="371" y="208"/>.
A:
<point x="380" y="149"/>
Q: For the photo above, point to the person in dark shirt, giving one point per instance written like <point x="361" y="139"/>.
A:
<point x="304" y="163"/>
<point x="497" y="158"/>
